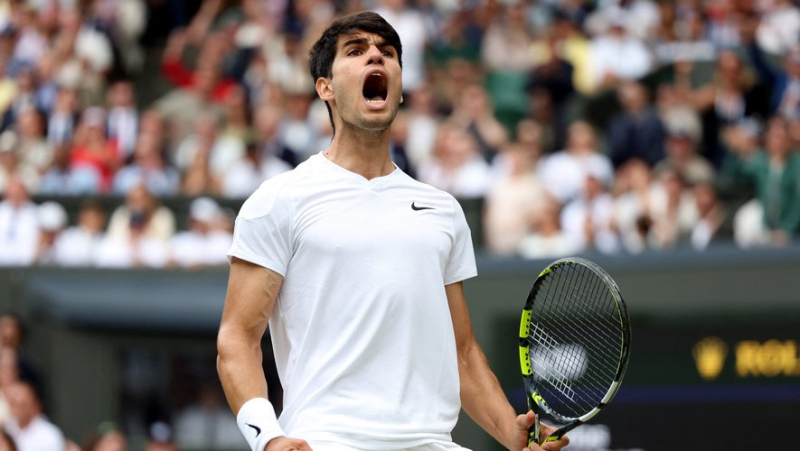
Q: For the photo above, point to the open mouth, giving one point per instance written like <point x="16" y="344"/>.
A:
<point x="375" y="88"/>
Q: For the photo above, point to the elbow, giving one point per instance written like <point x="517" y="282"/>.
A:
<point x="226" y="348"/>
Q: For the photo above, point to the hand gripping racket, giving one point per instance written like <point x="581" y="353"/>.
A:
<point x="574" y="340"/>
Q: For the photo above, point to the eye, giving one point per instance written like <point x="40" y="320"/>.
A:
<point x="387" y="53"/>
<point x="354" y="52"/>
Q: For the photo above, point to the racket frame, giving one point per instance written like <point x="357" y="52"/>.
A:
<point x="535" y="401"/>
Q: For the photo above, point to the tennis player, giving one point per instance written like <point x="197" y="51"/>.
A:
<point x="358" y="269"/>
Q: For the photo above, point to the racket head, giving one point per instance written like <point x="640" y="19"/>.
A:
<point x="574" y="342"/>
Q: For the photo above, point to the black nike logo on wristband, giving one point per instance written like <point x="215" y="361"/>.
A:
<point x="415" y="208"/>
<point x="258" y="429"/>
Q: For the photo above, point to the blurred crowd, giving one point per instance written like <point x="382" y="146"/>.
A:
<point x="613" y="126"/>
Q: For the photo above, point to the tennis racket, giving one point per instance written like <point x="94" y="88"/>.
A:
<point x="574" y="342"/>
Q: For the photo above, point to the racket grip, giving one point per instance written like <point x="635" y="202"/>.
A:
<point x="534" y="432"/>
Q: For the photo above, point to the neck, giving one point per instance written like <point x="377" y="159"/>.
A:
<point x="365" y="153"/>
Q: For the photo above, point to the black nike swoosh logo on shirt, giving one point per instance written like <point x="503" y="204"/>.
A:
<point x="258" y="429"/>
<point x="414" y="207"/>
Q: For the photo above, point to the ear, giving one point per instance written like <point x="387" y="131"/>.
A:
<point x="324" y="88"/>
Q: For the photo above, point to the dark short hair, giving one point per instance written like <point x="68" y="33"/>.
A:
<point x="322" y="54"/>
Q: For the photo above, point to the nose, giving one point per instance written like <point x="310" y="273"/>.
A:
<point x="374" y="55"/>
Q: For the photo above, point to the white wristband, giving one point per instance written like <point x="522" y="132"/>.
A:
<point x="258" y="423"/>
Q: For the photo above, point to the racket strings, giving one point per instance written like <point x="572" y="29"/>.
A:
<point x="577" y="356"/>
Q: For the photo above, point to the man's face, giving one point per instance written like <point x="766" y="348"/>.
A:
<point x="366" y="87"/>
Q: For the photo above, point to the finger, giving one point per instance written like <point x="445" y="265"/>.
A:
<point x="556" y="445"/>
<point x="526" y="420"/>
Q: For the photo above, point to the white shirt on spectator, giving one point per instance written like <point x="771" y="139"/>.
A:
<point x="470" y="180"/>
<point x="77" y="247"/>
<point x="600" y="211"/>
<point x="563" y="173"/>
<point x="625" y="58"/>
<point x="191" y="248"/>
<point x="243" y="177"/>
<point x="116" y="253"/>
<point x="19" y="234"/>
<point x="536" y="245"/>
<point x="40" y="435"/>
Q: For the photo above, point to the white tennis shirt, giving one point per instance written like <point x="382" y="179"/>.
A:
<point x="361" y="331"/>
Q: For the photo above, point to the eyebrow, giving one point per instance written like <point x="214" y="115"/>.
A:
<point x="360" y="40"/>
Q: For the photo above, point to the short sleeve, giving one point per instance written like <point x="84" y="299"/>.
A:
<point x="262" y="233"/>
<point x="461" y="263"/>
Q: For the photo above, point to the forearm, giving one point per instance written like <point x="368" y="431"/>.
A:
<point x="239" y="364"/>
<point x="481" y="395"/>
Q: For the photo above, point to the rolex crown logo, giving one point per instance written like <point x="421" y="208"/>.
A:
<point x="709" y="357"/>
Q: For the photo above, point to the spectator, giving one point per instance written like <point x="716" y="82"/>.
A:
<point x="204" y="156"/>
<point x="79" y="245"/>
<point x="713" y="224"/>
<point x="456" y="166"/>
<point x="507" y="43"/>
<point x="563" y="172"/>
<point x="25" y="97"/>
<point x="673" y="211"/>
<point x="296" y="131"/>
<point x="632" y="214"/>
<point x="64" y="180"/>
<point x="618" y="56"/>
<point x="148" y="168"/>
<point x="723" y="27"/>
<point x="589" y="218"/>
<point x="731" y="97"/>
<point x="514" y="200"/>
<point x="474" y="113"/>
<point x="31" y="41"/>
<point x="205" y="243"/>
<point x="551" y="84"/>
<point x="52" y="220"/>
<point x="636" y="132"/>
<point x="773" y="216"/>
<point x="10" y="164"/>
<point x="93" y="152"/>
<point x="141" y="215"/>
<point x="207" y="79"/>
<point x="64" y="118"/>
<point x="424" y="121"/>
<point x="779" y="28"/>
<point x="682" y="158"/>
<point x="547" y="239"/>
<point x="19" y="225"/>
<point x="28" y="426"/>
<point x="34" y="150"/>
<point x="123" y="118"/>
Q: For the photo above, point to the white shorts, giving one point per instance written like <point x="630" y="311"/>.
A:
<point x="331" y="446"/>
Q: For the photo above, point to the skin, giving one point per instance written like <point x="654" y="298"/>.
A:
<point x="361" y="145"/>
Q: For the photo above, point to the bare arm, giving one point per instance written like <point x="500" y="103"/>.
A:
<point x="481" y="395"/>
<point x="252" y="293"/>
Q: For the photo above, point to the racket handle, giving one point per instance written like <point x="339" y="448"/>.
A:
<point x="534" y="432"/>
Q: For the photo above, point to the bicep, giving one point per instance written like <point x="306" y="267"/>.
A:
<point x="251" y="297"/>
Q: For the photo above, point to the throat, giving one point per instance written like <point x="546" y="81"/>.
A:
<point x="369" y="165"/>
